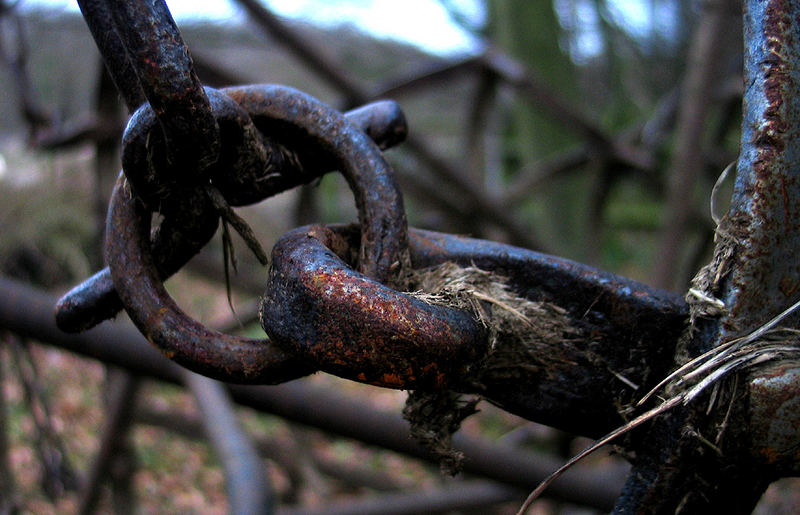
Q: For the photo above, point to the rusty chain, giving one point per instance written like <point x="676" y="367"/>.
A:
<point x="320" y="313"/>
<point x="192" y="153"/>
<point x="189" y="227"/>
<point x="237" y="359"/>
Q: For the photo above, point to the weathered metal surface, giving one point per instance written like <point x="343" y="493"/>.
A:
<point x="23" y="310"/>
<point x="383" y="121"/>
<point x="764" y="220"/>
<point x="163" y="323"/>
<point x="325" y="315"/>
<point x="185" y="232"/>
<point x="627" y="333"/>
<point x="260" y="151"/>
<point x="319" y="309"/>
<point x="177" y="239"/>
<point x="87" y="304"/>
<point x="775" y="416"/>
<point x="166" y="74"/>
<point x="537" y="276"/>
<point x="751" y="426"/>
<point x="301" y="120"/>
<point x="104" y="31"/>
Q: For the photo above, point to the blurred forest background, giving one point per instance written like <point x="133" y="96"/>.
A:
<point x="571" y="130"/>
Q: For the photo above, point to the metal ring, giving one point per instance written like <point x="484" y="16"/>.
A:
<point x="187" y="229"/>
<point x="307" y="122"/>
<point x="164" y="324"/>
<point x="349" y="325"/>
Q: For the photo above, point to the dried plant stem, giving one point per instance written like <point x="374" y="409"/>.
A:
<point x="595" y="446"/>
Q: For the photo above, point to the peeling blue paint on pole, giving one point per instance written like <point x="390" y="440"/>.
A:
<point x="764" y="220"/>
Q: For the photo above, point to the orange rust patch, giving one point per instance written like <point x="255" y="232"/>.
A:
<point x="771" y="456"/>
<point x="394" y="380"/>
<point x="788" y="286"/>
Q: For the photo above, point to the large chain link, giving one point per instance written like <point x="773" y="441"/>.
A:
<point x="299" y="118"/>
<point x="189" y="225"/>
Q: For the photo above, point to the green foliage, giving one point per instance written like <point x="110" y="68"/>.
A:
<point x="530" y="32"/>
<point x="614" y="68"/>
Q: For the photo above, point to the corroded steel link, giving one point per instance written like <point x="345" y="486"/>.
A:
<point x="152" y="310"/>
<point x="383" y="121"/>
<point x="104" y="31"/>
<point x="176" y="240"/>
<point x="297" y="119"/>
<point x="302" y="122"/>
<point x="622" y="329"/>
<point x="318" y="308"/>
<point x="188" y="229"/>
<point x="344" y="323"/>
<point x="166" y="74"/>
<point x="258" y="148"/>
<point x="161" y="184"/>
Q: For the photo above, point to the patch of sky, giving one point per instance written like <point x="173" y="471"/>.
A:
<point x="445" y="27"/>
<point x="647" y="21"/>
<point x="428" y="24"/>
<point x="580" y="20"/>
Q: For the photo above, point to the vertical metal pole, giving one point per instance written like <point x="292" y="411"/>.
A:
<point x="721" y="452"/>
<point x="763" y="224"/>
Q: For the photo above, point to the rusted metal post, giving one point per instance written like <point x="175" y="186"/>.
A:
<point x="764" y="223"/>
<point x="764" y="220"/>
<point x="720" y="452"/>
